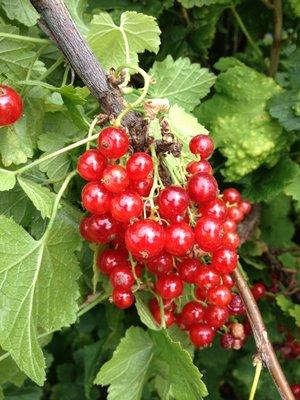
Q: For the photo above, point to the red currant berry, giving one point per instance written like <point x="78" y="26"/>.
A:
<point x="192" y="313"/>
<point x="11" y="105"/>
<point x="237" y="330"/>
<point x="228" y="281"/>
<point x="245" y="206"/>
<point x="201" y="335"/>
<point x="231" y="196"/>
<point x="247" y="328"/>
<point x="91" y="165"/>
<point x="207" y="277"/>
<point x="138" y="269"/>
<point x="216" y="209"/>
<point x="113" y="142"/>
<point x="188" y="269"/>
<point x="175" y="219"/>
<point x="202" y="145"/>
<point x="139" y="166"/>
<point x="202" y="166"/>
<point x="84" y="228"/>
<point x="103" y="228"/>
<point x="201" y="293"/>
<point x="142" y="187"/>
<point x="169" y="305"/>
<point x="227" y="341"/>
<point x="115" y="178"/>
<point x="296" y="390"/>
<point x="108" y="259"/>
<point x="219" y="295"/>
<point x="179" y="239"/>
<point x="95" y="198"/>
<point x="145" y="239"/>
<point x="230" y="226"/>
<point x="125" y="206"/>
<point x="172" y="200"/>
<point x="169" y="286"/>
<point x="122" y="277"/>
<point x="160" y="265"/>
<point x="224" y="260"/>
<point x="236" y="306"/>
<point x="122" y="298"/>
<point x="236" y="214"/>
<point x="168" y="316"/>
<point x="231" y="240"/>
<point x="202" y="188"/>
<point x="258" y="290"/>
<point x="216" y="316"/>
<point x="209" y="233"/>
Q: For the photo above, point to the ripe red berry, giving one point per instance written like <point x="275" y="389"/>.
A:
<point x="188" y="269"/>
<point x="179" y="239"/>
<point x="192" y="313"/>
<point x="245" y="206"/>
<point x="91" y="164"/>
<point x="202" y="188"/>
<point x="201" y="335"/>
<point x="258" y="290"/>
<point x="139" y="166"/>
<point x="228" y="281"/>
<point x="125" y="206"/>
<point x="95" y="198"/>
<point x="231" y="196"/>
<point x="219" y="295"/>
<point x="202" y="166"/>
<point x="296" y="390"/>
<point x="145" y="238"/>
<point x="207" y="277"/>
<point x="202" y="145"/>
<point x="11" y="105"/>
<point x="169" y="305"/>
<point x="121" y="276"/>
<point x="216" y="316"/>
<point x="224" y="260"/>
<point x="169" y="286"/>
<point x="227" y="341"/>
<point x="113" y="142"/>
<point x="122" y="298"/>
<point x="84" y="228"/>
<point x="173" y="200"/>
<point x="230" y="226"/>
<point x="168" y="316"/>
<point x="142" y="187"/>
<point x="231" y="240"/>
<point x="201" y="293"/>
<point x="236" y="214"/>
<point x="175" y="219"/>
<point x="209" y="233"/>
<point x="216" y="209"/>
<point x="108" y="259"/>
<point x="160" y="265"/>
<point x="236" y="306"/>
<point x="103" y="228"/>
<point x="115" y="178"/>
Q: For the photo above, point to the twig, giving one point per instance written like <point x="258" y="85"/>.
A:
<point x="275" y="52"/>
<point x="268" y="4"/>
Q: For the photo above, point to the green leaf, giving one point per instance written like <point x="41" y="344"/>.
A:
<point x="293" y="187"/>
<point x="288" y="307"/>
<point x="295" y="7"/>
<point x="77" y="9"/>
<point x="41" y="197"/>
<point x="7" y="179"/>
<point x="27" y="392"/>
<point x="76" y="94"/>
<point x="201" y="3"/>
<point x="9" y="371"/>
<point x="144" y="313"/>
<point x="21" y="10"/>
<point x="181" y="82"/>
<point x="295" y="313"/>
<point x="118" y="45"/>
<point x="127" y="371"/>
<point x="285" y="107"/>
<point x="34" y="274"/>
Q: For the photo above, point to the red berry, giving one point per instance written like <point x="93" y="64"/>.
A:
<point x="138" y="269"/>
<point x="224" y="260"/>
<point x="113" y="142"/>
<point x="173" y="200"/>
<point x="142" y="187"/>
<point x="11" y="105"/>
<point x="95" y="198"/>
<point x="216" y="209"/>
<point x="168" y="316"/>
<point x="121" y="276"/>
<point x="236" y="214"/>
<point x="201" y="335"/>
<point x="202" y="166"/>
<point x="230" y="226"/>
<point x="91" y="164"/>
<point x="202" y="188"/>
<point x="216" y="316"/>
<point x="103" y="228"/>
<point x="192" y="313"/>
<point x="169" y="305"/>
<point x="202" y="145"/>
<point x="219" y="295"/>
<point x="84" y="228"/>
<point x="247" y="327"/>
<point x="179" y="239"/>
<point x="296" y="390"/>
<point x="209" y="233"/>
<point x="201" y="293"/>
<point x="169" y="286"/>
<point x="231" y="196"/>
<point x="188" y="269"/>
<point x="160" y="265"/>
<point x="139" y="166"/>
<point x="108" y="259"/>
<point x="245" y="206"/>
<point x="227" y="341"/>
<point x="125" y="206"/>
<point x="175" y="219"/>
<point x="236" y="306"/>
<point x="258" y="290"/>
<point x="207" y="277"/>
<point x="122" y="298"/>
<point x="231" y="240"/>
<point x="115" y="178"/>
<point x="228" y="281"/>
<point x="145" y="238"/>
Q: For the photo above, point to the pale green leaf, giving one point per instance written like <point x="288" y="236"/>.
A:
<point x="283" y="302"/>
<point x="33" y="276"/>
<point x="293" y="187"/>
<point x="77" y="9"/>
<point x="144" y="313"/>
<point x="9" y="371"/>
<point x="21" y="10"/>
<point x="17" y="205"/>
<point x="181" y="82"/>
<point x="7" y="179"/>
<point x="295" y="313"/>
<point x="116" y="45"/>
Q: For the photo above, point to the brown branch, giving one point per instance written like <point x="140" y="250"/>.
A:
<point x="275" y="51"/>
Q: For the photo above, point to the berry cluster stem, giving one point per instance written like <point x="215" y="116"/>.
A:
<point x="258" y="369"/>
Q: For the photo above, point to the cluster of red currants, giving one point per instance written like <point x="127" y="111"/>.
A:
<point x="169" y="240"/>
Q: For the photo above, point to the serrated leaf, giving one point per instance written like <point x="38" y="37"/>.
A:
<point x="76" y="94"/>
<point x="181" y="82"/>
<point x="41" y="197"/>
<point x="127" y="370"/>
<point x="7" y="179"/>
<point x="201" y="3"/>
<point x="21" y="10"/>
<point x="283" y="302"/>
<point x="295" y="313"/>
<point x="293" y="187"/>
<point x="144" y="313"/>
<point x="285" y="107"/>
<point x="34" y="274"/>
<point x="118" y="45"/>
<point x="77" y="9"/>
<point x="9" y="372"/>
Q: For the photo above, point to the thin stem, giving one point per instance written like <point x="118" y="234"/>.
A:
<point x="24" y="38"/>
<point x="53" y="67"/>
<point x="65" y="77"/>
<point x="91" y="129"/>
<point x="258" y="369"/>
<point x="92" y="304"/>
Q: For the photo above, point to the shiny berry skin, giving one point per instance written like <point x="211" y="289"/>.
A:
<point x="230" y="226"/>
<point x="236" y="214"/>
<point x="125" y="206"/>
<point x="95" y="198"/>
<point x="145" y="238"/>
<point x="202" y="145"/>
<point x="228" y="281"/>
<point x="202" y="166"/>
<point x="122" y="298"/>
<point x="201" y="293"/>
<point x="224" y="260"/>
<point x="216" y="316"/>
<point x="202" y="188"/>
<point x="175" y="219"/>
<point x="216" y="209"/>
<point x="168" y="316"/>
<point x="11" y="105"/>
<point x="245" y="206"/>
<point x="296" y="390"/>
<point x="192" y="313"/>
<point x="207" y="277"/>
<point x="113" y="142"/>
<point x="258" y="290"/>
<point x="108" y="259"/>
<point x="231" y="240"/>
<point x="84" y="228"/>
<point x="169" y="305"/>
<point x="169" y="286"/>
<point x="188" y="269"/>
<point x="160" y="265"/>
<point x="231" y="196"/>
<point x="227" y="341"/>
<point x="139" y="166"/>
<point x="179" y="239"/>
<point x="103" y="228"/>
<point x="219" y="295"/>
<point x="236" y="306"/>
<point x="115" y="178"/>
<point x="201" y="335"/>
<point x="173" y="200"/>
<point x="209" y="233"/>
<point x="91" y="164"/>
<point x="122" y="277"/>
<point x="142" y="187"/>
